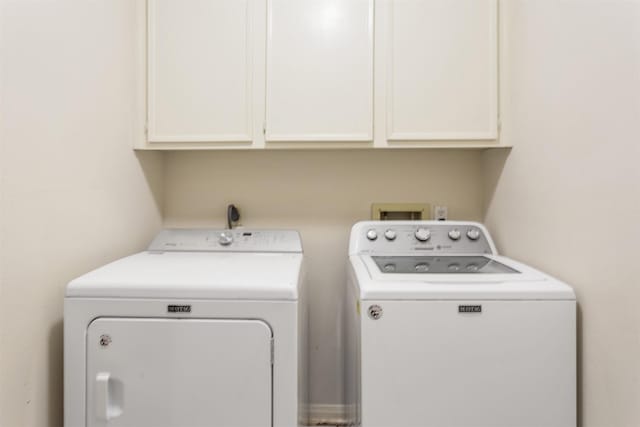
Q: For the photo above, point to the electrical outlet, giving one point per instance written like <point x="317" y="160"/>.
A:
<point x="440" y="213"/>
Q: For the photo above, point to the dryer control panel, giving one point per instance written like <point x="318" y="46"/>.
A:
<point x="425" y="237"/>
<point x="235" y="240"/>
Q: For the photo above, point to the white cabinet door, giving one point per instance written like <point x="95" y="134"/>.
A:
<point x="438" y="68"/>
<point x="178" y="373"/>
<point x="205" y="70"/>
<point x="320" y="70"/>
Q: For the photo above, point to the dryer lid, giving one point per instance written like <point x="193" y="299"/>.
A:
<point x="194" y="275"/>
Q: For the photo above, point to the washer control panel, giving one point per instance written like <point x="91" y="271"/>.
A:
<point x="236" y="240"/>
<point x="441" y="237"/>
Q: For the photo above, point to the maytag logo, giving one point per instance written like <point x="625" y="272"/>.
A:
<point x="179" y="308"/>
<point x="469" y="309"/>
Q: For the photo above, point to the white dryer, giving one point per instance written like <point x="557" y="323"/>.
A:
<point x="444" y="332"/>
<point x="205" y="328"/>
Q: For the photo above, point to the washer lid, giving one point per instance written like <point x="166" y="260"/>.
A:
<point x="194" y="275"/>
<point x="452" y="264"/>
<point x="487" y="277"/>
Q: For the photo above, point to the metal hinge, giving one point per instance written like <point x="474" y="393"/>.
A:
<point x="264" y="128"/>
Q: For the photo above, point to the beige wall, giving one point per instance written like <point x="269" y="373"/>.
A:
<point x="320" y="193"/>
<point x="73" y="194"/>
<point x="567" y="199"/>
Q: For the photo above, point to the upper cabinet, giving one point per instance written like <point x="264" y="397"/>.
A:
<point x="320" y="70"/>
<point x="437" y="70"/>
<point x="205" y="71"/>
<point x="239" y="74"/>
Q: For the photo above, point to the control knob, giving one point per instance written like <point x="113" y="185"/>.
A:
<point x="390" y="234"/>
<point x="473" y="234"/>
<point x="423" y="234"/>
<point x="372" y="234"/>
<point x="454" y="234"/>
<point x="225" y="238"/>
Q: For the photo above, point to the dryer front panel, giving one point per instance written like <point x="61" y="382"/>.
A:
<point x="179" y="373"/>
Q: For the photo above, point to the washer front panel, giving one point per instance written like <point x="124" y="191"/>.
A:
<point x="468" y="363"/>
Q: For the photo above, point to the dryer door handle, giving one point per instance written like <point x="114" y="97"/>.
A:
<point x="107" y="394"/>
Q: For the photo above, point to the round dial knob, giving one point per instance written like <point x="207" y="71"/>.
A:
<point x="454" y="234"/>
<point x="372" y="234"/>
<point x="390" y="235"/>
<point x="473" y="234"/>
<point x="423" y="234"/>
<point x="225" y="238"/>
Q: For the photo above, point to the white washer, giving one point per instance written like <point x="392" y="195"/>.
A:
<point x="443" y="332"/>
<point x="205" y="328"/>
